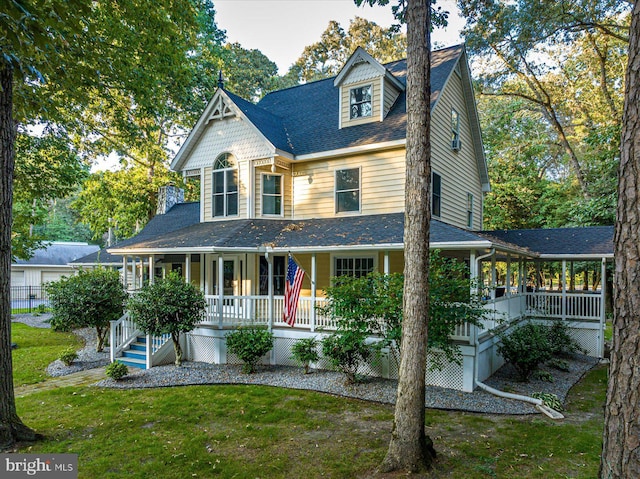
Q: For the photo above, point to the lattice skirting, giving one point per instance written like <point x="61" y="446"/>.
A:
<point x="202" y="348"/>
<point x="588" y="339"/>
<point x="450" y="376"/>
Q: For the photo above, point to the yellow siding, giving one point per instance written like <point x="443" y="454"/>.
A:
<point x="323" y="270"/>
<point x="396" y="262"/>
<point x="381" y="191"/>
<point x="375" y="103"/>
<point x="458" y="169"/>
<point x="390" y="96"/>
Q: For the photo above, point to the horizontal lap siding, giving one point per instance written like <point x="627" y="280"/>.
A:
<point x="381" y="190"/>
<point x="458" y="169"/>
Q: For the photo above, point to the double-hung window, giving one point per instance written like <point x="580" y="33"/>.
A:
<point x="348" y="190"/>
<point x="469" y="210"/>
<point x="224" y="187"/>
<point x="354" y="266"/>
<point x="360" y="102"/>
<point x="272" y="194"/>
<point x="436" y="194"/>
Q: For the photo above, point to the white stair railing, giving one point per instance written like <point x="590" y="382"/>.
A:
<point x="123" y="332"/>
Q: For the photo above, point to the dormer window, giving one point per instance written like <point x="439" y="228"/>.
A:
<point x="224" y="185"/>
<point x="360" y="102"/>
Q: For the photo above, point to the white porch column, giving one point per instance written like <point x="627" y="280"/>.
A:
<point x="564" y="289"/>
<point x="508" y="282"/>
<point x="473" y="275"/>
<point x="603" y="293"/>
<point x="220" y="290"/>
<point x="269" y="259"/>
<point x="313" y="292"/>
<point x="203" y="280"/>
<point x="187" y="268"/>
<point x="134" y="272"/>
<point x="386" y="262"/>
<point x="125" y="272"/>
<point x="151" y="268"/>
<point x="493" y="277"/>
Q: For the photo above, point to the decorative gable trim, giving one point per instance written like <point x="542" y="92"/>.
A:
<point x="221" y="110"/>
<point x="220" y="107"/>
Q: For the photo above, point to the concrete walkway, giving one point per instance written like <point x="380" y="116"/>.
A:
<point x="81" y="378"/>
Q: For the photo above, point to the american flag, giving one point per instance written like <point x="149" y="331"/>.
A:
<point x="295" y="275"/>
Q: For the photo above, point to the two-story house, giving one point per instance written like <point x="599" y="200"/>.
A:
<point x="318" y="171"/>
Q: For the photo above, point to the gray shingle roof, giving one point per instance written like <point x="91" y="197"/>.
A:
<point x="59" y="253"/>
<point x="588" y="240"/>
<point x="304" y="119"/>
<point x="316" y="233"/>
<point x="99" y="257"/>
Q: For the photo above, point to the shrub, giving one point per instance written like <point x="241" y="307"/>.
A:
<point x="525" y="348"/>
<point x="345" y="351"/>
<point x="559" y="364"/>
<point x="92" y="298"/>
<point x="543" y="376"/>
<point x="560" y="341"/>
<point x="168" y="306"/>
<point x="305" y="351"/>
<point x="549" y="400"/>
<point x="250" y="344"/>
<point x="116" y="370"/>
<point x="68" y="356"/>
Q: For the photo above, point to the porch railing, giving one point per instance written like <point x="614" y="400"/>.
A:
<point x="573" y="306"/>
<point x="123" y="331"/>
<point x="234" y="311"/>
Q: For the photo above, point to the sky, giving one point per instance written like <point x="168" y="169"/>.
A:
<point x="282" y="28"/>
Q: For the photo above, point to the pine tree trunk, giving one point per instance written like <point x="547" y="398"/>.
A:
<point x="621" y="445"/>
<point x="11" y="427"/>
<point x="410" y="449"/>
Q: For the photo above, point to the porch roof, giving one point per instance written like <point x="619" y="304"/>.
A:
<point x="255" y="235"/>
<point x="588" y="242"/>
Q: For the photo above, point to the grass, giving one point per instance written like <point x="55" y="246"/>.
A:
<point x="258" y="431"/>
<point x="37" y="348"/>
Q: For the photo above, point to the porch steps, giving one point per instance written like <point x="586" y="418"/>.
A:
<point x="136" y="354"/>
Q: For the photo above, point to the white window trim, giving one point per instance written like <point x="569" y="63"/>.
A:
<point x="262" y="193"/>
<point x="470" y="205"/>
<point x="370" y="85"/>
<point x="433" y="172"/>
<point x="335" y="191"/>
<point x="355" y="254"/>
<point x="226" y="193"/>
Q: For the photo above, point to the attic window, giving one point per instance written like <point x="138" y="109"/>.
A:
<point x="360" y="102"/>
<point x="455" y="130"/>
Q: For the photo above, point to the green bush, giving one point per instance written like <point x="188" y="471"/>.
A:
<point x="68" y="356"/>
<point x="345" y="351"/>
<point x="92" y="298"/>
<point x="116" y="370"/>
<point x="559" y="364"/>
<point x="549" y="400"/>
<point x="249" y="344"/>
<point x="525" y="348"/>
<point x="560" y="341"/>
<point x="305" y="351"/>
<point x="168" y="306"/>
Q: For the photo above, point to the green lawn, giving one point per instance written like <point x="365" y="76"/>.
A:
<point x="37" y="348"/>
<point x="258" y="431"/>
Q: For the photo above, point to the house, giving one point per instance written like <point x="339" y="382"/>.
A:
<point x="49" y="263"/>
<point x="318" y="171"/>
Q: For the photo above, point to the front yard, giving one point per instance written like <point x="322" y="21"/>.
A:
<point x="267" y="432"/>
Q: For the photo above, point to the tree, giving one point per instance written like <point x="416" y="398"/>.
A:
<point x="28" y="32"/>
<point x="563" y="59"/>
<point x="410" y="448"/>
<point x="248" y="73"/>
<point x="326" y="57"/>
<point x="124" y="200"/>
<point x="47" y="168"/>
<point x="621" y="449"/>
<point x="90" y="299"/>
<point x="168" y="306"/>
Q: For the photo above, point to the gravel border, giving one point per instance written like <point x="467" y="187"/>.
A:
<point x="370" y="389"/>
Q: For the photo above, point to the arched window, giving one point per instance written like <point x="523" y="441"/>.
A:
<point x="224" y="186"/>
